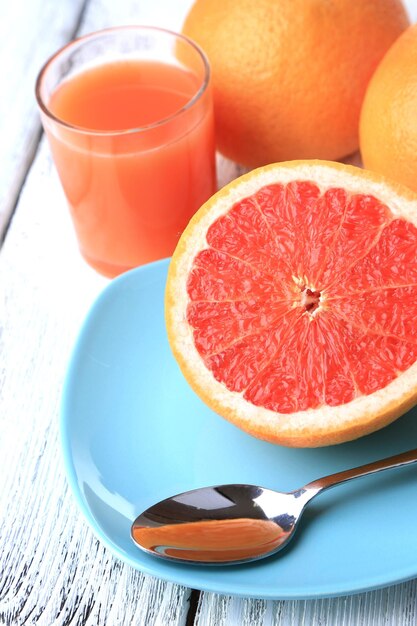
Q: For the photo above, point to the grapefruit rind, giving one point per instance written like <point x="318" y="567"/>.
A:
<point x="320" y="426"/>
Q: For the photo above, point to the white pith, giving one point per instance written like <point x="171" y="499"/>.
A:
<point x="232" y="404"/>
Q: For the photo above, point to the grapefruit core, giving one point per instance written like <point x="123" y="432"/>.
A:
<point x="291" y="302"/>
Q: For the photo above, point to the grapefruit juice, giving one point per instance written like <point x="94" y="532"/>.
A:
<point x="133" y="143"/>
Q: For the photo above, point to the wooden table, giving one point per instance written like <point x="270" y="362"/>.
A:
<point x="53" y="570"/>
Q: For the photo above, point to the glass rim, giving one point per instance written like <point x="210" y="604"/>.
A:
<point x="79" y="41"/>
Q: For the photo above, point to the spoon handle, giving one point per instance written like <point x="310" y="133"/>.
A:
<point x="399" y="460"/>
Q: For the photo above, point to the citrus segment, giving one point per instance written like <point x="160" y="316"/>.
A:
<point x="391" y="262"/>
<point x="302" y="297"/>
<point x="218" y="276"/>
<point x="352" y="240"/>
<point x="240" y="363"/>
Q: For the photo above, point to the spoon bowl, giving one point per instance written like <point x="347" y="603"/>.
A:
<point x="231" y="524"/>
<point x="220" y="524"/>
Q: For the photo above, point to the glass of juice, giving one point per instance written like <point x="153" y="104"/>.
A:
<point x="129" y="118"/>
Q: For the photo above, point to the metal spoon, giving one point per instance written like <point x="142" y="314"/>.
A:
<point x="230" y="524"/>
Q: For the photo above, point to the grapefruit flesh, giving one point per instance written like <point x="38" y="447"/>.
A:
<point x="302" y="297"/>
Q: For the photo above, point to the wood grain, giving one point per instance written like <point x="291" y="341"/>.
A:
<point x="394" y="606"/>
<point x="53" y="570"/>
<point x="29" y="33"/>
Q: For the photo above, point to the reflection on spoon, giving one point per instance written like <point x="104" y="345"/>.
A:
<point x="212" y="541"/>
<point x="235" y="523"/>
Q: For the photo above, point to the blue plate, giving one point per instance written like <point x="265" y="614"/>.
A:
<point x="134" y="433"/>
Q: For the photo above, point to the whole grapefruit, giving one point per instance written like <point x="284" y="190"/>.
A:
<point x="388" y="126"/>
<point x="289" y="76"/>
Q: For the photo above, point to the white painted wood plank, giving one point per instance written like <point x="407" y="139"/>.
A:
<point x="29" y="32"/>
<point x="394" y="606"/>
<point x="53" y="569"/>
<point x="164" y="13"/>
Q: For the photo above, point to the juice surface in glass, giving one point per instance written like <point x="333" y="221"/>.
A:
<point x="135" y="157"/>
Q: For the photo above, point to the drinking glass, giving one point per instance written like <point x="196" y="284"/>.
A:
<point x="131" y="190"/>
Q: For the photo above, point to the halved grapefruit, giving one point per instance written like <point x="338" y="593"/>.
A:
<point x="291" y="302"/>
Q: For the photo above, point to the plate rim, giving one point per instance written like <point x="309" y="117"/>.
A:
<point x="233" y="589"/>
